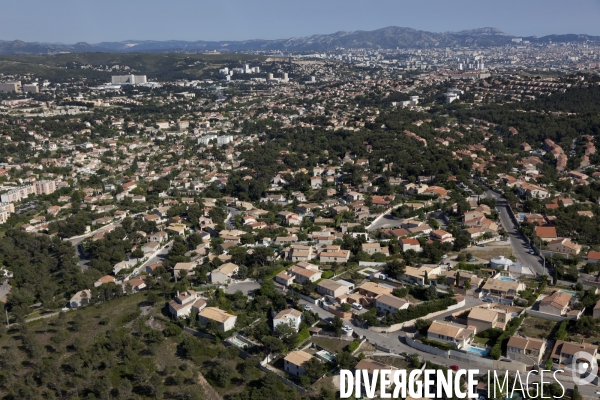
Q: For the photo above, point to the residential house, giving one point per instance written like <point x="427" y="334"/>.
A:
<point x="159" y="237"/>
<point x="593" y="256"/>
<point x="150" y="247"/>
<point x="454" y="334"/>
<point x="334" y="254"/>
<point x="294" y="362"/>
<point x="463" y="276"/>
<point x="556" y="304"/>
<point x="136" y="284"/>
<point x="331" y="288"/>
<point x="564" y="246"/>
<point x="527" y="350"/>
<point x="80" y="299"/>
<point x="596" y="312"/>
<point x="372" y="290"/>
<point x="181" y="306"/>
<point x="387" y="303"/>
<point x="284" y="278"/>
<point x="308" y="272"/>
<point x="224" y="273"/>
<point x="288" y="316"/>
<point x="483" y="319"/>
<point x="546" y="233"/>
<point x="442" y="236"/>
<point x="183" y="266"/>
<point x="563" y="352"/>
<point x="300" y="253"/>
<point x="502" y="289"/>
<point x="372" y="248"/>
<point x="104" y="279"/>
<point x="224" y="320"/>
<point x="410" y="244"/>
<point x="421" y="274"/>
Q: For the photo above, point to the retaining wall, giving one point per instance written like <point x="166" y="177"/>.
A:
<point x="426" y="348"/>
<point x="545" y="316"/>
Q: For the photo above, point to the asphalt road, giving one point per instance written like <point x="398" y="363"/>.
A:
<point x="387" y="221"/>
<point x="393" y="341"/>
<point x="517" y="240"/>
<point x="78" y="239"/>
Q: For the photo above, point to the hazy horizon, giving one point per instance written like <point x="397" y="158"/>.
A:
<point x="70" y="21"/>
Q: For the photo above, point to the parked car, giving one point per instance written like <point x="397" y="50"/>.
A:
<point x="307" y="307"/>
<point x="472" y="260"/>
<point x="445" y="256"/>
<point x="481" y="245"/>
<point x="347" y="329"/>
<point x="357" y="306"/>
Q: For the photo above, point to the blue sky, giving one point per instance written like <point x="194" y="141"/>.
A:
<point x="93" y="21"/>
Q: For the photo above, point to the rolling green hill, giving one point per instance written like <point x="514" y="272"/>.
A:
<point x="155" y="66"/>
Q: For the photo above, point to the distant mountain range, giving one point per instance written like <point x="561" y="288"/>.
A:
<point x="386" y="38"/>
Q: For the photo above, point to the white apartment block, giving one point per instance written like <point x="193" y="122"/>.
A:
<point x="206" y="139"/>
<point x="14" y="195"/>
<point x="5" y="210"/>
<point x="128" y="79"/>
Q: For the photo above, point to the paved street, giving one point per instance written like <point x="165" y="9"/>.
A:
<point x="517" y="241"/>
<point x="387" y="221"/>
<point x="158" y="257"/>
<point x="393" y="341"/>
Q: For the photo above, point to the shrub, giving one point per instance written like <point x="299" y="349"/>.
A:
<point x="327" y="274"/>
<point x="439" y="345"/>
<point x="353" y="346"/>
<point x="127" y="318"/>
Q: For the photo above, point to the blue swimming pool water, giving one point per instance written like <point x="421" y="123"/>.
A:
<point x="507" y="279"/>
<point x="477" y="350"/>
<point x="571" y="292"/>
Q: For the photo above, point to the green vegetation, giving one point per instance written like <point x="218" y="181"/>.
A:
<point x="439" y="345"/>
<point x="155" y="66"/>
<point x="500" y="346"/>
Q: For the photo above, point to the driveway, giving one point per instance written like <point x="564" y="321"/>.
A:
<point x="244" y="287"/>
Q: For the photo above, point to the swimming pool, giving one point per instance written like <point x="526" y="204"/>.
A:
<point x="571" y="292"/>
<point x="507" y="279"/>
<point x="326" y="355"/>
<point x="477" y="350"/>
<point x="237" y="342"/>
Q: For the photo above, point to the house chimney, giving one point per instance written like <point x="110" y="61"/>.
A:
<point x="178" y="293"/>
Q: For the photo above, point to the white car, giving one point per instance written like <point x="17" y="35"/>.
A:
<point x="357" y="306"/>
<point x="307" y="307"/>
<point x="445" y="256"/>
<point x="346" y="328"/>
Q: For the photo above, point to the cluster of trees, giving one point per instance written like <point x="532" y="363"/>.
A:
<point x="95" y="356"/>
<point x="44" y="270"/>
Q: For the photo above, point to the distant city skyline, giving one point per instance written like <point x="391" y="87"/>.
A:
<point x="70" y="21"/>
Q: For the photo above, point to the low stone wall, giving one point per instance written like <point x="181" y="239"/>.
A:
<point x="551" y="317"/>
<point x="308" y="298"/>
<point x="458" y="355"/>
<point x="426" y="348"/>
<point x="399" y="326"/>
<point x="512" y="366"/>
<point x="341" y="314"/>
